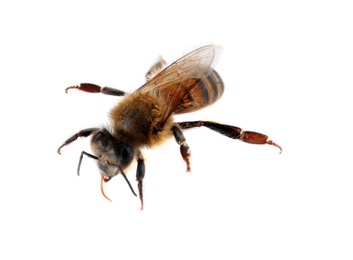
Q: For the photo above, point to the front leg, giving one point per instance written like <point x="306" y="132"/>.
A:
<point x="83" y="133"/>
<point x="140" y="174"/>
<point x="93" y="88"/>
<point x="184" y="148"/>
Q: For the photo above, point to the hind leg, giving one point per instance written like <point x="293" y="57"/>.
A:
<point x="155" y="68"/>
<point x="233" y="132"/>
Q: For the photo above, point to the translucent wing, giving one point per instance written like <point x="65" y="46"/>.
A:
<point x="173" y="83"/>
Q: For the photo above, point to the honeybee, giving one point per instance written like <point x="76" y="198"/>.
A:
<point x="144" y="118"/>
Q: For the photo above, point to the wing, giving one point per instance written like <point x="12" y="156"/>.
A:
<point x="173" y="83"/>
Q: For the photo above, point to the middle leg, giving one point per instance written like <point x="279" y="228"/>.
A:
<point x="93" y="88"/>
<point x="140" y="174"/>
<point x="184" y="148"/>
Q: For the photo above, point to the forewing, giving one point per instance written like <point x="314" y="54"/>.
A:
<point x="176" y="81"/>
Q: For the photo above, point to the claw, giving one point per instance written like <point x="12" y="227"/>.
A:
<point x="70" y="88"/>
<point x="270" y="142"/>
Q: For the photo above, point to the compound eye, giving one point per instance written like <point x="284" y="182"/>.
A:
<point x="99" y="135"/>
<point x="103" y="144"/>
<point x="101" y="138"/>
<point x="124" y="152"/>
<point x="126" y="155"/>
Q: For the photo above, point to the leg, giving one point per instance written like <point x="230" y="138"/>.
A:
<point x="93" y="88"/>
<point x="232" y="132"/>
<point x="184" y="148"/>
<point x="155" y="68"/>
<point x="140" y="174"/>
<point x="82" y="133"/>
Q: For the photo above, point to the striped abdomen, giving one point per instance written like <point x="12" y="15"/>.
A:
<point x="206" y="91"/>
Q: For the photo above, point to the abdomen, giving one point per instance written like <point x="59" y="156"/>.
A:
<point x="206" y="92"/>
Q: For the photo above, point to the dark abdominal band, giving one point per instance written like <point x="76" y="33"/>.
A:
<point x="205" y="95"/>
<point x="212" y="91"/>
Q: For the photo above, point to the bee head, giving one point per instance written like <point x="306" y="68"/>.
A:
<point x="113" y="155"/>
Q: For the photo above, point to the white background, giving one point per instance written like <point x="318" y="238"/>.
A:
<point x="287" y="68"/>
